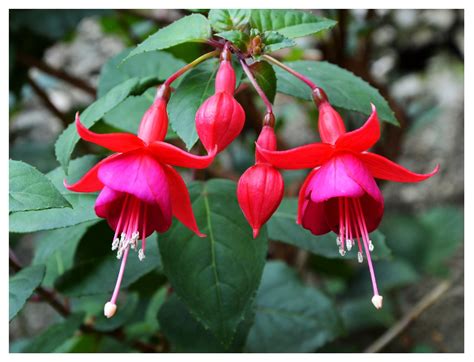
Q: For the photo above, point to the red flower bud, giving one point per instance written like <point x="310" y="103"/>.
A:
<point x="330" y="123"/>
<point x="154" y="124"/>
<point x="260" y="188"/>
<point x="220" y="118"/>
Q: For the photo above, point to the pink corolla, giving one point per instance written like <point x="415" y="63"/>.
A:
<point x="139" y="190"/>
<point x="340" y="193"/>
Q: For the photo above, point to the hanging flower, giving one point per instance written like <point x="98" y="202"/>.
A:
<point x="340" y="194"/>
<point x="260" y="188"/>
<point x="139" y="189"/>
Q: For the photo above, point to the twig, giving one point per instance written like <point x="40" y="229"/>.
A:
<point x="30" y="61"/>
<point x="47" y="102"/>
<point x="428" y="300"/>
<point x="50" y="298"/>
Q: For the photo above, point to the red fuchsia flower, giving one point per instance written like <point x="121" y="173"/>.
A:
<point x="260" y="188"/>
<point x="220" y="118"/>
<point x="139" y="190"/>
<point x="340" y="194"/>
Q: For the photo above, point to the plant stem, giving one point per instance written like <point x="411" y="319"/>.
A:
<point x="184" y="69"/>
<point x="300" y="76"/>
<point x="259" y="90"/>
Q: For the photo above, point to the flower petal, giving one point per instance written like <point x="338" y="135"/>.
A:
<point x="382" y="168"/>
<point x="308" y="156"/>
<point x="180" y="200"/>
<point x="117" y="142"/>
<point x="302" y="195"/>
<point x="89" y="182"/>
<point x="140" y="175"/>
<point x="169" y="154"/>
<point x="362" y="138"/>
<point x="314" y="217"/>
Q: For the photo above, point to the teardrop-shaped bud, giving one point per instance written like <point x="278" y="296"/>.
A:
<point x="154" y="124"/>
<point x="225" y="77"/>
<point x="330" y="123"/>
<point x="219" y="121"/>
<point x="259" y="192"/>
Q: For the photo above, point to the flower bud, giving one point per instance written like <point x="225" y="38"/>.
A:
<point x="225" y="77"/>
<point x="260" y="188"/>
<point x="330" y="123"/>
<point x="154" y="124"/>
<point x="219" y="121"/>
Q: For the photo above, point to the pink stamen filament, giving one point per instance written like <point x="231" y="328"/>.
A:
<point x="341" y="225"/>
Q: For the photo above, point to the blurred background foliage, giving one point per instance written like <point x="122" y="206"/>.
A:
<point x="414" y="57"/>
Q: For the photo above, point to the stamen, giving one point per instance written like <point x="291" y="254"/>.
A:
<point x="377" y="299"/>
<point x="360" y="257"/>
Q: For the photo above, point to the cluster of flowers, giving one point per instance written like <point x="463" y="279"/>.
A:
<point x="140" y="191"/>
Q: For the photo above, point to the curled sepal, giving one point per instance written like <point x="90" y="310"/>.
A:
<point x="117" y="142"/>
<point x="382" y="168"/>
<point x="308" y="156"/>
<point x="362" y="138"/>
<point x="90" y="181"/>
<point x="180" y="200"/>
<point x="169" y="154"/>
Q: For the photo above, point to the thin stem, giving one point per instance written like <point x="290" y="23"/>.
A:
<point x="300" y="76"/>
<point x="184" y="69"/>
<point x="259" y="90"/>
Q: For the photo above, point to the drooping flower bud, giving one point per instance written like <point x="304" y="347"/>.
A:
<point x="330" y="123"/>
<point x="220" y="119"/>
<point x="154" y="124"/>
<point x="260" y="188"/>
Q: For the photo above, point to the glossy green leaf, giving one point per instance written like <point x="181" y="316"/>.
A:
<point x="157" y="64"/>
<point x="290" y="23"/>
<point x="237" y="37"/>
<point x="68" y="139"/>
<point x="216" y="276"/>
<point x="266" y="79"/>
<point x="291" y="317"/>
<point x="192" y="28"/>
<point x="96" y="275"/>
<point x="344" y="89"/>
<point x="55" y="335"/>
<point x="82" y="204"/>
<point x="283" y="227"/>
<point x="29" y="189"/>
<point x="21" y="287"/>
<point x="187" y="335"/>
<point x="229" y="19"/>
<point x="194" y="89"/>
<point x="273" y="40"/>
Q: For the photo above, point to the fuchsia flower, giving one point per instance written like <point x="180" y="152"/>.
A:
<point x="340" y="194"/>
<point x="260" y="188"/>
<point x="139" y="190"/>
<point x="220" y="119"/>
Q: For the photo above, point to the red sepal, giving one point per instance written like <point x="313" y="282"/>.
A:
<point x="172" y="155"/>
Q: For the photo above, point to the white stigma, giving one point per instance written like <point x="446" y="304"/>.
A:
<point x="360" y="257"/>
<point x="377" y="301"/>
<point x="349" y="244"/>
<point x="109" y="309"/>
<point x="141" y="254"/>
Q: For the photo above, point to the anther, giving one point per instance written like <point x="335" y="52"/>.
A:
<point x="349" y="244"/>
<point x="342" y="252"/>
<point x="141" y="254"/>
<point x="371" y="246"/>
<point x="115" y="243"/>
<point x="360" y="257"/>
<point x="338" y="241"/>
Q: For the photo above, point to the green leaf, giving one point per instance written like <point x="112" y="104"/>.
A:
<point x="192" y="28"/>
<point x="82" y="204"/>
<point x="344" y="89"/>
<point x="266" y="79"/>
<point x="274" y="41"/>
<point x="55" y="335"/>
<point x="290" y="23"/>
<point x="291" y="317"/>
<point x="237" y="37"/>
<point x="187" y="335"/>
<point x="22" y="286"/>
<point x="217" y="276"/>
<point x="157" y="65"/>
<point x="29" y="189"/>
<point x="68" y="139"/>
<point x="229" y="19"/>
<point x="97" y="275"/>
<point x="282" y="227"/>
<point x="194" y="89"/>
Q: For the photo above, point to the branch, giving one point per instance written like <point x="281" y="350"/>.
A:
<point x="50" y="298"/>
<point x="429" y="299"/>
